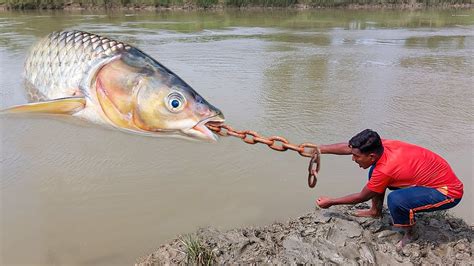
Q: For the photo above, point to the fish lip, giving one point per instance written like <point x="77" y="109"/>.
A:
<point x="202" y="128"/>
<point x="216" y="120"/>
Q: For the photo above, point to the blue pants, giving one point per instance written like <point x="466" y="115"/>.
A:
<point x="404" y="202"/>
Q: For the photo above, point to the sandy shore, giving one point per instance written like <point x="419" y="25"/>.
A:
<point x="331" y="236"/>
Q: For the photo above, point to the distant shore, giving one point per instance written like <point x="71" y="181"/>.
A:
<point x="223" y="4"/>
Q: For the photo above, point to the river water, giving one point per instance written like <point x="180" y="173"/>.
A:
<point x="75" y="193"/>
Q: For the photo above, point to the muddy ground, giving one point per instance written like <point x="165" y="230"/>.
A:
<point x="331" y="236"/>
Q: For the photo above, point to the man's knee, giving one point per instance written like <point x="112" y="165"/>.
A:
<point x="395" y="201"/>
<point x="391" y="199"/>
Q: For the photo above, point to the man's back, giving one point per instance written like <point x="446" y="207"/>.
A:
<point x="405" y="165"/>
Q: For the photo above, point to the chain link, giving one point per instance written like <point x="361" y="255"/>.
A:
<point x="276" y="143"/>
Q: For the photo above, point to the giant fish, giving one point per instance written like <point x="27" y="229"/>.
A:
<point x="112" y="83"/>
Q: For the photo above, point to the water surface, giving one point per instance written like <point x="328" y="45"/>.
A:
<point x="74" y="193"/>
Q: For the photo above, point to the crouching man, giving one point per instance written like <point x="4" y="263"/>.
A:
<point x="422" y="181"/>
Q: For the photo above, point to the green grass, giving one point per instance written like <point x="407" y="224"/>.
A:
<point x="196" y="253"/>
<point x="206" y="3"/>
<point x="60" y="4"/>
<point x="153" y="3"/>
<point x="262" y="3"/>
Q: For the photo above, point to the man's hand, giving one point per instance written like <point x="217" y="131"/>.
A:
<point x="324" y="202"/>
<point x="364" y="195"/>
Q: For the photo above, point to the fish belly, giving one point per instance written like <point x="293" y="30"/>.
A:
<point x="63" y="64"/>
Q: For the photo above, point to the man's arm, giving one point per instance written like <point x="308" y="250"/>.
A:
<point x="338" y="148"/>
<point x="364" y="195"/>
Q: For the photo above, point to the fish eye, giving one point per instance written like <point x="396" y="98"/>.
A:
<point x="175" y="101"/>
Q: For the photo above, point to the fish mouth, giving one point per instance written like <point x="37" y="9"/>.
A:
<point x="201" y="130"/>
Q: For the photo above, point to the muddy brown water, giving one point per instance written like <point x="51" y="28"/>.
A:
<point x="75" y="193"/>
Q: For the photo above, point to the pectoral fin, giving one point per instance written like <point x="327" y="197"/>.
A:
<point x="57" y="106"/>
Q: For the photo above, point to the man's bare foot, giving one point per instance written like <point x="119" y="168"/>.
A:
<point x="407" y="238"/>
<point x="368" y="213"/>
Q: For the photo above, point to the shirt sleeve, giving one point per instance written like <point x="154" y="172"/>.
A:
<point x="378" y="182"/>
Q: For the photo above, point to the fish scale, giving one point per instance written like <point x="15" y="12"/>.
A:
<point x="58" y="65"/>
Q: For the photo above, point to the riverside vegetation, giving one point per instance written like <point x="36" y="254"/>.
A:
<point x="188" y="4"/>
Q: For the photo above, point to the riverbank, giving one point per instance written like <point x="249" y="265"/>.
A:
<point x="222" y="4"/>
<point x="325" y="236"/>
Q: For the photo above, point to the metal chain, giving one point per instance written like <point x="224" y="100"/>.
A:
<point x="276" y="143"/>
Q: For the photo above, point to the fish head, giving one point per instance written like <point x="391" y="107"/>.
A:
<point x="171" y="105"/>
<point x="137" y="93"/>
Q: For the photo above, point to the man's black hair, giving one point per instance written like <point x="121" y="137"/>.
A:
<point x="367" y="141"/>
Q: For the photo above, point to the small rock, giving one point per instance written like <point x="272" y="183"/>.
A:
<point x="449" y="251"/>
<point x="376" y="226"/>
<point x="386" y="233"/>
<point x="322" y="219"/>
<point x="361" y="206"/>
<point x="462" y="245"/>
<point x="383" y="248"/>
<point x="462" y="256"/>
<point x="363" y="221"/>
<point x="367" y="254"/>
<point x="435" y="223"/>
<point x="342" y="230"/>
<point x="368" y="237"/>
<point x="308" y="232"/>
<point x="412" y="250"/>
<point x="350" y="251"/>
<point x="398" y="258"/>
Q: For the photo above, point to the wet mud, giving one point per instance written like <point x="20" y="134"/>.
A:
<point x="331" y="236"/>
